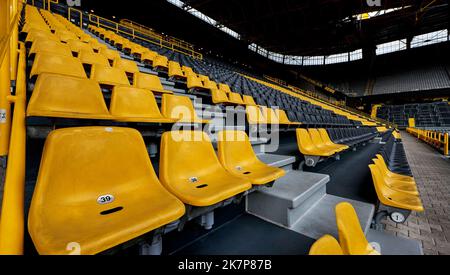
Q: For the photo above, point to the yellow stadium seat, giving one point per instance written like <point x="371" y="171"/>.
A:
<point x="97" y="202"/>
<point x="49" y="46"/>
<point x="67" y="97"/>
<point x="320" y="143"/>
<point x="393" y="198"/>
<point x="130" y="104"/>
<point x="194" y="82"/>
<point x="269" y="115"/>
<point x="382" y="164"/>
<point x="76" y="46"/>
<point x="283" y="118"/>
<point x="97" y="46"/>
<point x="235" y="98"/>
<point x="161" y="63"/>
<point x="396" y="184"/>
<point x="254" y="115"/>
<point x="175" y="71"/>
<point x="210" y="85"/>
<point x="237" y="156"/>
<point x="150" y="82"/>
<point x="190" y="169"/>
<point x="225" y="88"/>
<point x="327" y="141"/>
<point x="351" y="236"/>
<point x="180" y="108"/>
<point x="248" y="100"/>
<point x="110" y="54"/>
<point x="187" y="70"/>
<point x="148" y="57"/>
<point x="308" y="148"/>
<point x="65" y="36"/>
<point x="219" y="97"/>
<point x="327" y="245"/>
<point x="34" y="34"/>
<point x="57" y="64"/>
<point x="109" y="76"/>
<point x="91" y="58"/>
<point x="129" y="66"/>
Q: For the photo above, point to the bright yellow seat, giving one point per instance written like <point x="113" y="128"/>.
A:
<point x="396" y="184"/>
<point x="319" y="142"/>
<point x="283" y="118"/>
<point x="96" y="188"/>
<point x="351" y="236"/>
<point x="269" y="115"/>
<point x="248" y="100"/>
<point x="129" y="66"/>
<point x="190" y="170"/>
<point x="219" y="96"/>
<point x="327" y="140"/>
<point x="393" y="198"/>
<point x="91" y="58"/>
<point x="132" y="104"/>
<point x="57" y="64"/>
<point x="254" y="115"/>
<point x="175" y="70"/>
<point x="225" y="88"/>
<point x="235" y="98"/>
<point x="148" y="57"/>
<point x="194" y="82"/>
<point x="97" y="46"/>
<point x="187" y="70"/>
<point x="67" y="97"/>
<point x="150" y="82"/>
<point x="161" y="62"/>
<point x="109" y="76"/>
<point x="210" y="85"/>
<point x="35" y="34"/>
<point x="180" y="108"/>
<point x="110" y="54"/>
<point x="308" y="148"/>
<point x="387" y="172"/>
<point x="327" y="245"/>
<point x="65" y="36"/>
<point x="76" y="46"/>
<point x="237" y="156"/>
<point x="41" y="45"/>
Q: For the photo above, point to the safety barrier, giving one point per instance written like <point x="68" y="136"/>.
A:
<point x="438" y="140"/>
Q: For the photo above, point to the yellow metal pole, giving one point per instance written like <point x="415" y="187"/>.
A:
<point x="14" y="40"/>
<point x="12" y="216"/>
<point x="5" y="80"/>
<point x="446" y="145"/>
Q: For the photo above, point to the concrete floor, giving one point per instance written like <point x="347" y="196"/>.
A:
<point x="432" y="173"/>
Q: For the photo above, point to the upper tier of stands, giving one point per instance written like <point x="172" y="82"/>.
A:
<point x="426" y="115"/>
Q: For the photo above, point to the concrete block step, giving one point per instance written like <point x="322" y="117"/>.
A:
<point x="279" y="161"/>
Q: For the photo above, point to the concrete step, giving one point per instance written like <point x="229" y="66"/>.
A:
<point x="289" y="198"/>
<point x="320" y="219"/>
<point x="388" y="244"/>
<point x="279" y="161"/>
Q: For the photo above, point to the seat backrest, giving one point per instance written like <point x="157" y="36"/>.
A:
<point x="179" y="108"/>
<point x="248" y="100"/>
<point x="254" y="115"/>
<point x="304" y="140"/>
<point x="129" y="66"/>
<point x="133" y="104"/>
<point x="219" y="96"/>
<point x="76" y="46"/>
<point x="148" y="81"/>
<point x="109" y="76"/>
<point x="235" y="150"/>
<point x="351" y="235"/>
<point x="57" y="64"/>
<point x="50" y="46"/>
<point x="91" y="58"/>
<point x="109" y="53"/>
<point x="186" y="154"/>
<point x="327" y="245"/>
<point x="67" y="97"/>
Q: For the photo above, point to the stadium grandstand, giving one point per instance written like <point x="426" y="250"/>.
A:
<point x="198" y="127"/>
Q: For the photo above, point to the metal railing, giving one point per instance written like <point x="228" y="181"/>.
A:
<point x="438" y="140"/>
<point x="12" y="129"/>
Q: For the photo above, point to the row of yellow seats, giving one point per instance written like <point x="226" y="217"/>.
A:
<point x="317" y="142"/>
<point x="394" y="190"/>
<point x="220" y="93"/>
<point x="262" y="115"/>
<point x="144" y="55"/>
<point x="118" y="196"/>
<point x="352" y="240"/>
<point x="60" y="96"/>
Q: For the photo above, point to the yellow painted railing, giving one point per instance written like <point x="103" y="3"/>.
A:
<point x="12" y="217"/>
<point x="438" y="140"/>
<point x="127" y="29"/>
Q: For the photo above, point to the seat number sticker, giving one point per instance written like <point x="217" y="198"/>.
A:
<point x="105" y="199"/>
<point x="2" y="116"/>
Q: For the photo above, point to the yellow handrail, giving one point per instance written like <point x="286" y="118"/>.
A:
<point x="438" y="140"/>
<point x="12" y="214"/>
